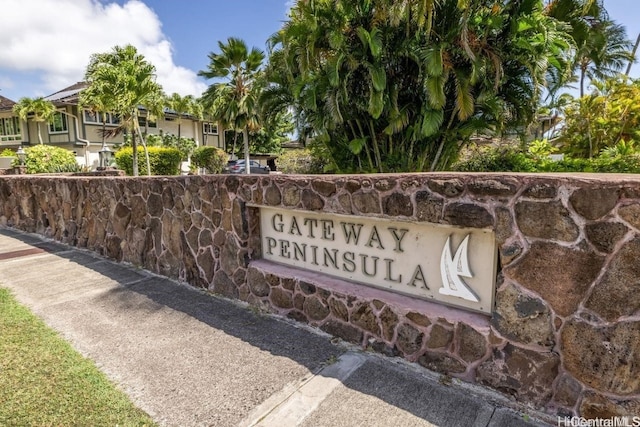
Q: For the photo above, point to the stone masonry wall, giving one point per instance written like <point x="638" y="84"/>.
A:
<point x="565" y="332"/>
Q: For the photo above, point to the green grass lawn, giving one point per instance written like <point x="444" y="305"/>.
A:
<point x="44" y="382"/>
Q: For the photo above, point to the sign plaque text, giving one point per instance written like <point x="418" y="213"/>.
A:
<point x="451" y="265"/>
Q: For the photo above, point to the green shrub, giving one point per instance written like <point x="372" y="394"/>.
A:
<point x="49" y="159"/>
<point x="211" y="158"/>
<point x="512" y="159"/>
<point x="164" y="161"/>
<point x="300" y="161"/>
<point x="497" y="159"/>
<point x="8" y="152"/>
<point x="184" y="145"/>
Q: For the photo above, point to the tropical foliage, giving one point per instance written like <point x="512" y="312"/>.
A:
<point x="129" y="79"/>
<point x="512" y="158"/>
<point x="301" y="161"/>
<point x="233" y="101"/>
<point x="49" y="159"/>
<point x="186" y="146"/>
<point x="163" y="161"/>
<point x="37" y="109"/>
<point x="400" y="85"/>
<point x="604" y="119"/>
<point x="184" y="106"/>
<point x="210" y="158"/>
<point x="601" y="47"/>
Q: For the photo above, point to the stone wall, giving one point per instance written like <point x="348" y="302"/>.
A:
<point x="565" y="333"/>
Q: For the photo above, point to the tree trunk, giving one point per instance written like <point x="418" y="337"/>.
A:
<point x="582" y="75"/>
<point x="245" y="137"/>
<point x="146" y="151"/>
<point x="39" y="134"/>
<point x="134" y="145"/>
<point x="633" y="56"/>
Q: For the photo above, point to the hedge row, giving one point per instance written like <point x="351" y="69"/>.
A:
<point x="163" y="161"/>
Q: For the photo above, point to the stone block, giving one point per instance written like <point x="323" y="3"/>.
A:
<point x="397" y="204"/>
<point x="281" y="298"/>
<point x="441" y="362"/>
<point x="567" y="391"/>
<point x="326" y="188"/>
<point x="522" y="318"/>
<point x="468" y="215"/>
<point x="418" y="319"/>
<point x="409" y="339"/>
<point x="618" y="292"/>
<point x="605" y="235"/>
<point x="366" y="202"/>
<point x="595" y="405"/>
<point x="343" y="330"/>
<point x="541" y="191"/>
<point x="447" y="187"/>
<point x="594" y="202"/>
<point x="603" y="357"/>
<point x="472" y="345"/>
<point x="439" y="337"/>
<point x="631" y="214"/>
<point x="364" y="317"/>
<point x="315" y="309"/>
<point x="339" y="309"/>
<point x="223" y="285"/>
<point x="258" y="283"/>
<point x="428" y="207"/>
<point x="560" y="275"/>
<point x="525" y="374"/>
<point x="546" y="220"/>
<point x="311" y="201"/>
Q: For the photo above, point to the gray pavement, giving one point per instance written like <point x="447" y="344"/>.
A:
<point x="189" y="358"/>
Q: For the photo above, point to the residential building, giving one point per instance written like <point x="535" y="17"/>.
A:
<point x="10" y="124"/>
<point x="80" y="130"/>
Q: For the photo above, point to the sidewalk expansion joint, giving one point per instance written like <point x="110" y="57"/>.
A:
<point x="295" y="402"/>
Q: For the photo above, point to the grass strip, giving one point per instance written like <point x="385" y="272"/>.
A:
<point x="44" y="382"/>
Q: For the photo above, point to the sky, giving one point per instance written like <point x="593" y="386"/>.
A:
<point x="45" y="45"/>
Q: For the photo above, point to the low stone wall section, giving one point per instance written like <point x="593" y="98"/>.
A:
<point x="565" y="332"/>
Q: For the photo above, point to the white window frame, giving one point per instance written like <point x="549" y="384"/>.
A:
<point x="213" y="128"/>
<point x="15" y="124"/>
<point x="111" y="119"/>
<point x="149" y="123"/>
<point x="63" y="122"/>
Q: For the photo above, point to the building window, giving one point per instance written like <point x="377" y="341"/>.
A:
<point x="58" y="124"/>
<point x="210" y="128"/>
<point x="10" y="129"/>
<point x="95" y="118"/>
<point x="142" y="121"/>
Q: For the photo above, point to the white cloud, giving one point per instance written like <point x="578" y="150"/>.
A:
<point x="57" y="38"/>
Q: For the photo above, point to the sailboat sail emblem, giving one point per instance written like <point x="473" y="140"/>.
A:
<point x="453" y="268"/>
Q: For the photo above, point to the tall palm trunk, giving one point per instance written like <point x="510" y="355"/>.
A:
<point x="245" y="137"/>
<point x="39" y="134"/>
<point x="633" y="56"/>
<point x="134" y="145"/>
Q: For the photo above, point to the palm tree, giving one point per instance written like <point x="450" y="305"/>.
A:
<point x="602" y="48"/>
<point x="130" y="79"/>
<point x="99" y="101"/>
<point x="42" y="110"/>
<point x="235" y="100"/>
<point x="401" y="85"/>
<point x="182" y="106"/>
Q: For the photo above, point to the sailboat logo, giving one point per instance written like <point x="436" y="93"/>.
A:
<point x="453" y="268"/>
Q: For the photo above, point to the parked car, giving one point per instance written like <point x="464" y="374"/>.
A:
<point x="230" y="164"/>
<point x="240" y="167"/>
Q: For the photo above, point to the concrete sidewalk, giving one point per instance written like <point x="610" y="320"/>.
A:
<point x="192" y="359"/>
